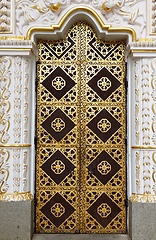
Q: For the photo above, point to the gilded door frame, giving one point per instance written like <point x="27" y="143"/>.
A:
<point x="103" y="31"/>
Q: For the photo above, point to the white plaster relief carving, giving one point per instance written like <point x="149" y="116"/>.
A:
<point x="5" y="16"/>
<point x="137" y="161"/>
<point x="154" y="171"/>
<point x="20" y="170"/>
<point x="144" y="173"/>
<point x="145" y="118"/>
<point x="143" y="45"/>
<point x="120" y="11"/>
<point x="137" y="103"/>
<point x="153" y="15"/>
<point x="4" y="170"/>
<point x="17" y="43"/>
<point x="46" y="12"/>
<point x="26" y="80"/>
<point x="5" y="105"/>
<point x="20" y="129"/>
<point x="142" y="104"/>
<point x="16" y="170"/>
<point x="146" y="181"/>
<point x="17" y="99"/>
<point x="25" y="170"/>
<point x="153" y="84"/>
<point x="145" y="84"/>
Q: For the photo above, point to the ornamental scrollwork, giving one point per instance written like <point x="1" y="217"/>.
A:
<point x="47" y="12"/>
<point x="4" y="170"/>
<point x="5" y="81"/>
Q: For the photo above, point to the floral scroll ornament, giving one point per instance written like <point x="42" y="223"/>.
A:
<point x="45" y="12"/>
<point x="4" y="170"/>
<point x="5" y="81"/>
<point x="118" y="11"/>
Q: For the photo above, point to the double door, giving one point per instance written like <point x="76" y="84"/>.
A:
<point x="81" y="128"/>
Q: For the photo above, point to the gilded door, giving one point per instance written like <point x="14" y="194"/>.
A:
<point x="81" y="128"/>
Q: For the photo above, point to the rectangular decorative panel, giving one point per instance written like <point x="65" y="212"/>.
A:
<point x="81" y="120"/>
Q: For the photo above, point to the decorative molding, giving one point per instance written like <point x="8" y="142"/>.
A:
<point x="154" y="172"/>
<point x="5" y="105"/>
<point x="20" y="130"/>
<point x="142" y="44"/>
<point x="146" y="173"/>
<point x="17" y="43"/>
<point x="143" y="143"/>
<point x="4" y="170"/>
<point x="142" y="103"/>
<point x="137" y="162"/>
<point x="45" y="13"/>
<point x="152" y="16"/>
<point x="17" y="99"/>
<point x="144" y="198"/>
<point x="17" y="47"/>
<point x="26" y="145"/>
<point x="142" y="147"/>
<point x="5" y="16"/>
<point x="142" y="49"/>
<point x="16" y="180"/>
<point x="145" y="111"/>
<point x="153" y="108"/>
<point x="137" y="103"/>
<point x="26" y="102"/>
<point x="143" y="171"/>
<point x="14" y="173"/>
<point x="20" y="196"/>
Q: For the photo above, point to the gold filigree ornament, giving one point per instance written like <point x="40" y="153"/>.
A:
<point x="104" y="83"/>
<point x="58" y="167"/>
<point x="104" y="167"/>
<point x="58" y="83"/>
<point x="105" y="8"/>
<point x="55" y="7"/>
<point x="58" y="124"/>
<point x="104" y="125"/>
<point x="57" y="210"/>
<point x="104" y="210"/>
<point x="14" y="197"/>
<point x="4" y="170"/>
<point x="144" y="198"/>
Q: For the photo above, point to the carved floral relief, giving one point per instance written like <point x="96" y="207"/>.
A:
<point x="5" y="105"/>
<point x="46" y="12"/>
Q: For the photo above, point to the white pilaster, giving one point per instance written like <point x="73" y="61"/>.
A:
<point x="142" y="121"/>
<point x="16" y="60"/>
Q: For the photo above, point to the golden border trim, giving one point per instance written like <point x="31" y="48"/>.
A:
<point x="108" y="28"/>
<point x="12" y="37"/>
<point x="15" y="49"/>
<point x="143" y="50"/>
<point x="15" y="197"/>
<point x="143" y="198"/>
<point x="15" y="145"/>
<point x="144" y="147"/>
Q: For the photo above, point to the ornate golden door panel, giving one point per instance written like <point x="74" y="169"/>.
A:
<point x="81" y="121"/>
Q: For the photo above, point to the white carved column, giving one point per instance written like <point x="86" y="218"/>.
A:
<point x="16" y="58"/>
<point x="143" y="121"/>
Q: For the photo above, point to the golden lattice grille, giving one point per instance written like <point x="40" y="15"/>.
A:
<point x="81" y="127"/>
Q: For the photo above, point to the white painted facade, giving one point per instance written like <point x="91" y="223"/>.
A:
<point x="22" y="22"/>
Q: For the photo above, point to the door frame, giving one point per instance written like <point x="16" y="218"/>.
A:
<point x="103" y="31"/>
